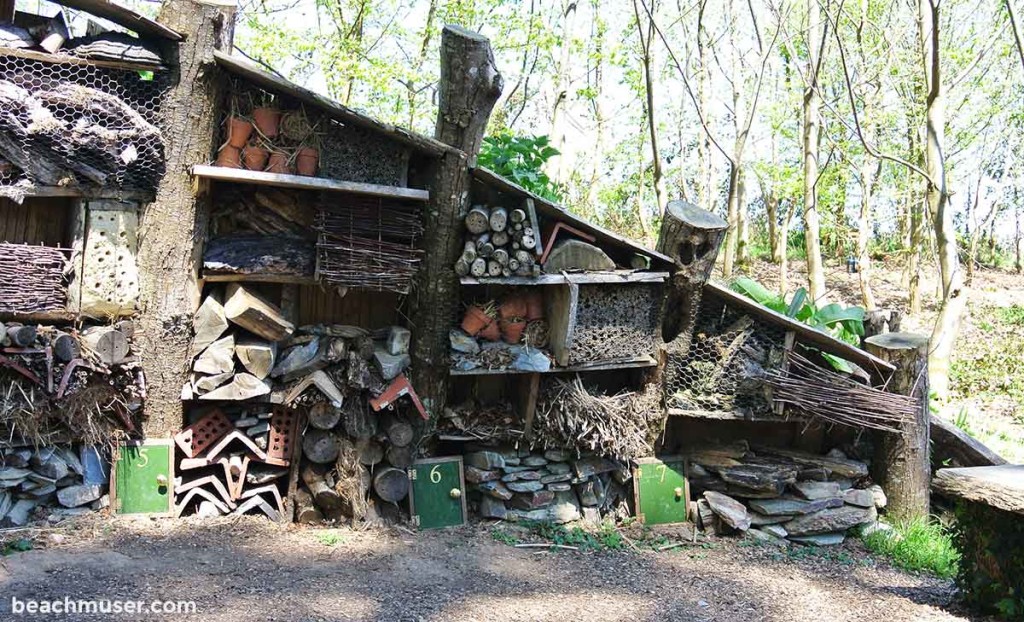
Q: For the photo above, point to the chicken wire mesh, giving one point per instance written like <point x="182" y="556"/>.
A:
<point x="615" y="322"/>
<point x="70" y="123"/>
<point x="720" y="367"/>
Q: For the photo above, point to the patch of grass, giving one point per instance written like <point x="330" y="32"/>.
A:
<point x="921" y="545"/>
<point x="604" y="537"/>
<point x="504" y="537"/>
<point x="330" y="538"/>
<point x="16" y="546"/>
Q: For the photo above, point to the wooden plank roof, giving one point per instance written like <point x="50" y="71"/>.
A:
<point x="125" y="17"/>
<point x="254" y="73"/>
<point x="548" y="208"/>
<point x="804" y="333"/>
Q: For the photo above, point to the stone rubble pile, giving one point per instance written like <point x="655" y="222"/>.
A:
<point x="782" y="496"/>
<point x="70" y="480"/>
<point x="552" y="486"/>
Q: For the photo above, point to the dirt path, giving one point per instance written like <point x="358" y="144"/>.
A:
<point x="253" y="571"/>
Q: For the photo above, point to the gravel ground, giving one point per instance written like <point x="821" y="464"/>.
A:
<point x="242" y="570"/>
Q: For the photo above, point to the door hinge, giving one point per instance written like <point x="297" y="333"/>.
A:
<point x="416" y="521"/>
<point x="412" y="474"/>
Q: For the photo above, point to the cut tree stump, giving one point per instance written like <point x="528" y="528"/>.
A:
<point x="320" y="446"/>
<point x="110" y="346"/>
<point x="391" y="484"/>
<point x="902" y="464"/>
<point x="324" y="416"/>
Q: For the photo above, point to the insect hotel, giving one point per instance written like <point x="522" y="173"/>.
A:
<point x="222" y="293"/>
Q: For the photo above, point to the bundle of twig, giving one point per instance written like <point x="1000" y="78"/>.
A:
<point x="351" y="480"/>
<point x="366" y="263"/>
<point x="31" y="278"/>
<point x="617" y="426"/>
<point x="834" y="398"/>
<point x="371" y="217"/>
<point x="479" y="421"/>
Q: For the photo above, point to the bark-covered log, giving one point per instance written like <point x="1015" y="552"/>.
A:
<point x="21" y="336"/>
<point x="173" y="224"/>
<point x="253" y="253"/>
<point x="399" y="432"/>
<point x="360" y="420"/>
<point x="323" y="495"/>
<point x="305" y="511"/>
<point x="370" y="452"/>
<point x="324" y="416"/>
<point x="401" y="457"/>
<point x="478" y="220"/>
<point x="902" y="465"/>
<point x="65" y="347"/>
<point x="391" y="484"/>
<point x="469" y="86"/>
<point x="320" y="446"/>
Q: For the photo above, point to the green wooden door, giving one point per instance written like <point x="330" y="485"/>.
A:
<point x="437" y="498"/>
<point x="144" y="477"/>
<point x="662" y="493"/>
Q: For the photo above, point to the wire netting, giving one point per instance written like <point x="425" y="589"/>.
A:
<point x="70" y="123"/>
<point x="615" y="322"/>
<point x="720" y="368"/>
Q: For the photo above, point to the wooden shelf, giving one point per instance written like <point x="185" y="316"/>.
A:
<point x="719" y="415"/>
<point x="299" y="182"/>
<point x="68" y="59"/>
<point x="634" y="363"/>
<point x="259" y="278"/>
<point x="78" y="192"/>
<point x="582" y="278"/>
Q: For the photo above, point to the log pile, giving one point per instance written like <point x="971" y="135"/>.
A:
<point x="262" y="210"/>
<point x="781" y="495"/>
<point x="556" y="486"/>
<point x="500" y="242"/>
<point x="64" y="480"/>
<point x="32" y="279"/>
<point x="236" y="463"/>
<point x="61" y="383"/>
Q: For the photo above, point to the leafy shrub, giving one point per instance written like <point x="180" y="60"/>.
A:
<point x="991" y="542"/>
<point x="917" y="545"/>
<point x="521" y="159"/>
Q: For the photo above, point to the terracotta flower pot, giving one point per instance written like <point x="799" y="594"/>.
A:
<point x="512" y="331"/>
<point x="230" y="157"/>
<point x="534" y="305"/>
<point x="267" y="121"/>
<point x="513" y="306"/>
<point x="239" y="131"/>
<point x="306" y="161"/>
<point x="475" y="321"/>
<point x="491" y="332"/>
<point x="255" y="158"/>
<point x="279" y="163"/>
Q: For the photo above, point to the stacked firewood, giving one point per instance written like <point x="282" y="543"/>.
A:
<point x="501" y="242"/>
<point x="553" y="486"/>
<point x="66" y="480"/>
<point x="57" y="380"/>
<point x="265" y="210"/>
<point x="235" y="463"/>
<point x="781" y="495"/>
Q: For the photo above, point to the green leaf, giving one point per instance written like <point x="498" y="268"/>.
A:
<point x="837" y="363"/>
<point x="795" y="305"/>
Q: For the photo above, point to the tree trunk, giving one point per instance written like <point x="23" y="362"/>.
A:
<point x="557" y="165"/>
<point x="954" y="291"/>
<point x="646" y="34"/>
<point x="901" y="465"/>
<point x="868" y="175"/>
<point x="732" y="215"/>
<point x="173" y="226"/>
<point x="811" y="129"/>
<point x="469" y="87"/>
<point x="742" y="221"/>
<point x="1017" y="234"/>
<point x="784" y="249"/>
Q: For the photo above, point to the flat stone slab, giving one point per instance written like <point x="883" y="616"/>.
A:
<point x="824" y="539"/>
<point x="778" y="507"/>
<point x="731" y="511"/>
<point x="997" y="486"/>
<point x="859" y="498"/>
<point x="830" y="520"/>
<point x="817" y="490"/>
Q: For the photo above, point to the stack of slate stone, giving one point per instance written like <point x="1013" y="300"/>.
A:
<point x="552" y="486"/>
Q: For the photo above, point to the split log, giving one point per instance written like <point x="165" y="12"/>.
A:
<point x="324" y="416"/>
<point x="21" y="336"/>
<point x="391" y="484"/>
<point x="255" y="314"/>
<point x="257" y="357"/>
<point x="370" y="452"/>
<point x="499" y="219"/>
<point x="206" y="384"/>
<point x="902" y="465"/>
<point x="242" y="387"/>
<point x="477" y="220"/>
<point x="285" y="205"/>
<point x="303" y="360"/>
<point x="218" y="357"/>
<point x="65" y="347"/>
<point x="320" y="446"/>
<point x="399" y="432"/>
<point x="401" y="457"/>
<point x="108" y="345"/>
<point x="209" y="323"/>
<point x="323" y="495"/>
<point x="305" y="511"/>
<point x="577" y="255"/>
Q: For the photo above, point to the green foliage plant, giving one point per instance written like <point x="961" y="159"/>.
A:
<point x="521" y="159"/>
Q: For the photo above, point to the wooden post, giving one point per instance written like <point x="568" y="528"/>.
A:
<point x="691" y="236"/>
<point x="901" y="465"/>
<point x="468" y="89"/>
<point x="174" y="225"/>
<point x="6" y="11"/>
